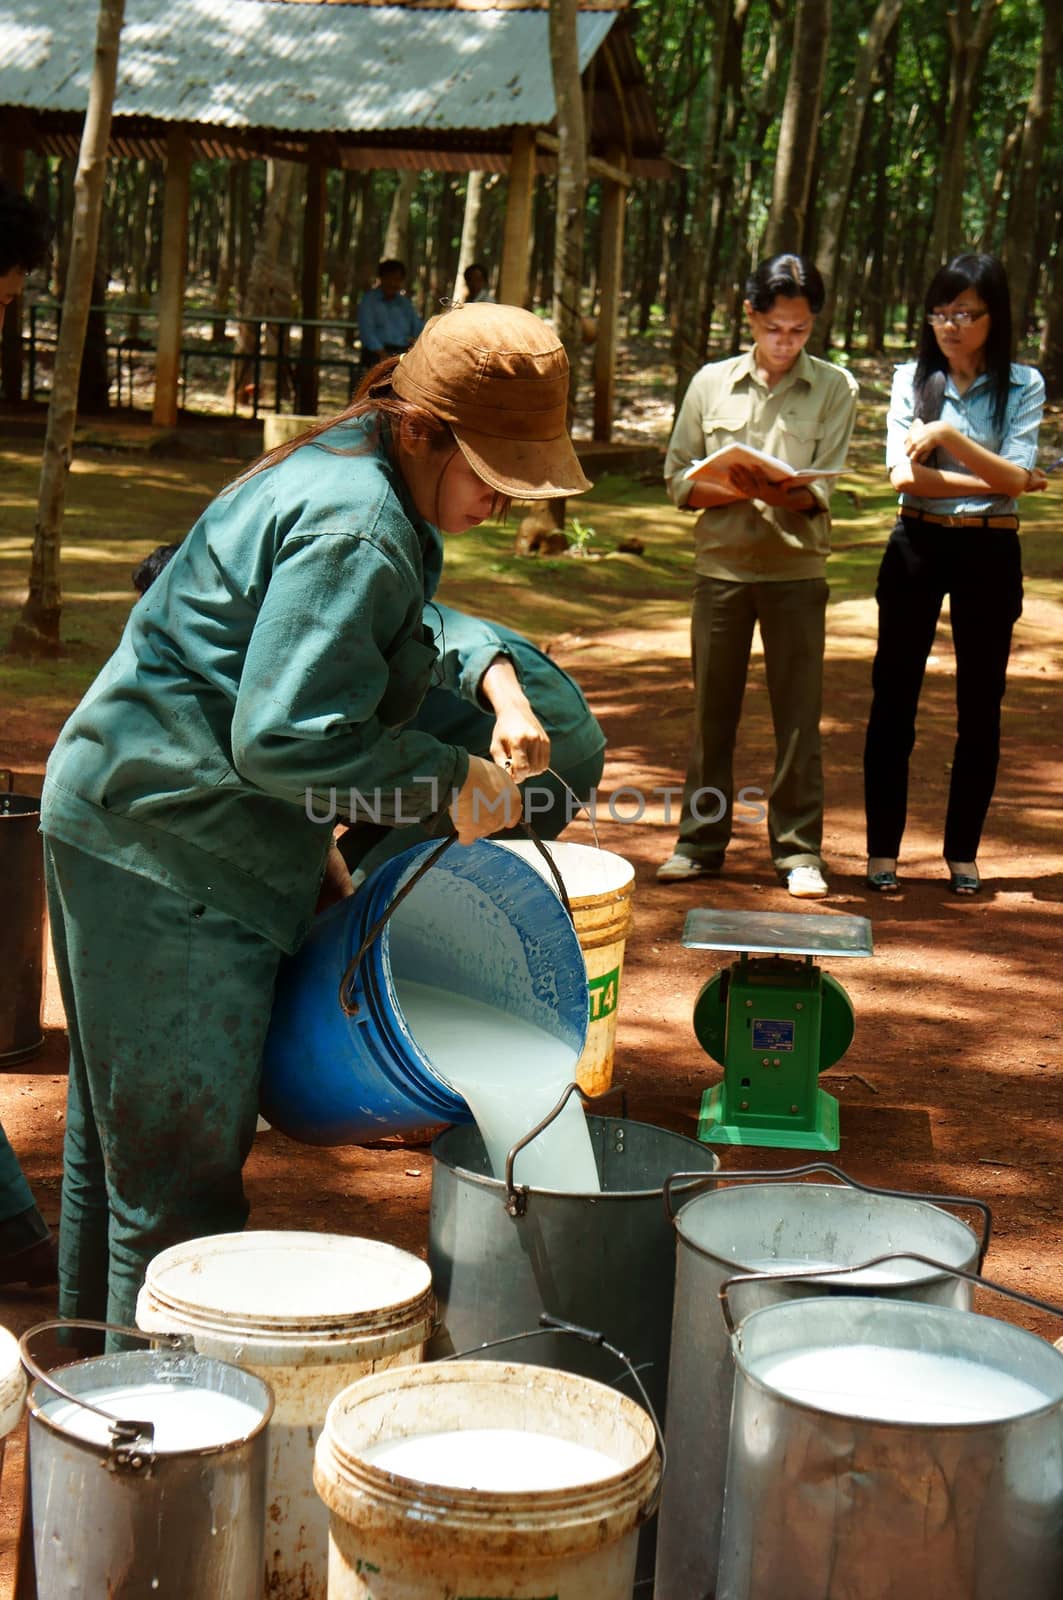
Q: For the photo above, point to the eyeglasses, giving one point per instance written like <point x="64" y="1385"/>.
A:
<point x="959" y="319"/>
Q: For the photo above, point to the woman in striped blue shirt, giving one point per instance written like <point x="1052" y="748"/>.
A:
<point x="961" y="446"/>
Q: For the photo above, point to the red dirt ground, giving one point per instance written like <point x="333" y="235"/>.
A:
<point x="952" y="1082"/>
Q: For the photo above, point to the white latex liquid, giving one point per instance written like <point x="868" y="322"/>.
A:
<point x="506" y="1460"/>
<point x="866" y="1380"/>
<point x="890" y="1272"/>
<point x="511" y="1073"/>
<point x="185" y="1418"/>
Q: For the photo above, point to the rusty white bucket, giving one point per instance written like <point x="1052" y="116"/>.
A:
<point x="885" y="1449"/>
<point x="309" y="1313"/>
<point x="485" y="1478"/>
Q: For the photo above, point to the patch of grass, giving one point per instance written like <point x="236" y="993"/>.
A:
<point x="119" y="507"/>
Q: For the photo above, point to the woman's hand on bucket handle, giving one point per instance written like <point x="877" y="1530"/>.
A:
<point x="519" y="742"/>
<point x="487" y="801"/>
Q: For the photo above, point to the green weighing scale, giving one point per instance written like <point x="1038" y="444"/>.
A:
<point x="774" y="1022"/>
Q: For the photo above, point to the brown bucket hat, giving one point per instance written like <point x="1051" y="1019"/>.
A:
<point x="499" y="377"/>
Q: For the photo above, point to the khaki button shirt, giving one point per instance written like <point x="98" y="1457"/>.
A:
<point x="806" y="419"/>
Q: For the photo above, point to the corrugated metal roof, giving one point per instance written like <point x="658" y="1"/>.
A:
<point x="313" y="68"/>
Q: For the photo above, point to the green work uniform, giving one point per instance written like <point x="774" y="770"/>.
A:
<point x="278" y="657"/>
<point x="455" y="711"/>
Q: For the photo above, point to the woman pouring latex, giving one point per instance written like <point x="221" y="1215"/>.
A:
<point x="281" y="655"/>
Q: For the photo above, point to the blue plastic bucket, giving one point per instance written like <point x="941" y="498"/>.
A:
<point x="480" y="923"/>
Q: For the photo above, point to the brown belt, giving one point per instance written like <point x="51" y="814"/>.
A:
<point x="958" y="520"/>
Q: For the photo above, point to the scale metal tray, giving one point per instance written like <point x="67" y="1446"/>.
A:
<point x="784" y="933"/>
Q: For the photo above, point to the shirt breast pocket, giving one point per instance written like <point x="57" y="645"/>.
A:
<point x="797" y="441"/>
<point x="410" y="673"/>
<point x="722" y="428"/>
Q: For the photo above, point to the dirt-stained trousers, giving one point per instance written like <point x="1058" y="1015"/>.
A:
<point x="167" y="1004"/>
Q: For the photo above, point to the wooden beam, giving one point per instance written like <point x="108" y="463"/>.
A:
<point x="610" y="271"/>
<point x="172" y="280"/>
<point x="513" y="280"/>
<point x="596" y="167"/>
<point x="313" y="250"/>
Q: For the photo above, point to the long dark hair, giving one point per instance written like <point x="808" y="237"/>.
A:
<point x="986" y="276"/>
<point x="417" y="431"/>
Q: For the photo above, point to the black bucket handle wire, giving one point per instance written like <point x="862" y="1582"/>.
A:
<point x="551" y="1324"/>
<point x="348" y="1004"/>
<point x="875" y="1261"/>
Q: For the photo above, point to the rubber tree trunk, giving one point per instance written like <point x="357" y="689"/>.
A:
<point x="571" y="184"/>
<point x="969" y="33"/>
<point x="571" y="199"/>
<point x="799" y="129"/>
<point x="469" y="231"/>
<point x="1051" y="357"/>
<point x="688" y="347"/>
<point x="37" y="631"/>
<point x="1019" y="256"/>
<point x="837" y="183"/>
<point x="397" y="237"/>
<point x="269" y="285"/>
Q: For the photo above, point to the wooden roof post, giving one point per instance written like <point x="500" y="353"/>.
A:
<point x="172" y="280"/>
<point x="513" y="280"/>
<point x="610" y="272"/>
<point x="313" y="242"/>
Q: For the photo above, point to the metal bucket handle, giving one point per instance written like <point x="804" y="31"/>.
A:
<point x="551" y="1324"/>
<point x="132" y="1443"/>
<point x="348" y="1004"/>
<point x="875" y="1261"/>
<point x="724" y="1176"/>
<point x="516" y="1201"/>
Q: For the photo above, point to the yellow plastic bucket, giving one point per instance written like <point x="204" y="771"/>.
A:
<point x="599" y="885"/>
<point x="512" y="1512"/>
<point x="309" y="1313"/>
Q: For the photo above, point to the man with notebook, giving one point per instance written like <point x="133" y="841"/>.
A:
<point x="761" y="546"/>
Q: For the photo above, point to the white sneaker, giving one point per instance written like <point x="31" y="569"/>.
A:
<point x="677" y="868"/>
<point x="806" y="883"/>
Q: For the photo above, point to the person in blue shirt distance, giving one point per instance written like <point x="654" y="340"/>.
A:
<point x="387" y="318"/>
<point x="27" y="1251"/>
<point x="961" y="446"/>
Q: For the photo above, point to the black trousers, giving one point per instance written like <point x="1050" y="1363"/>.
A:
<point x="980" y="569"/>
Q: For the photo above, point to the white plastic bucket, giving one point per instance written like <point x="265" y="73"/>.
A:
<point x="12" y="1388"/>
<point x="599" y="885"/>
<point x="309" y="1313"/>
<point x="398" y="1537"/>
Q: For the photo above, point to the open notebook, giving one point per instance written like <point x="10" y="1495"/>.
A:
<point x="716" y="468"/>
